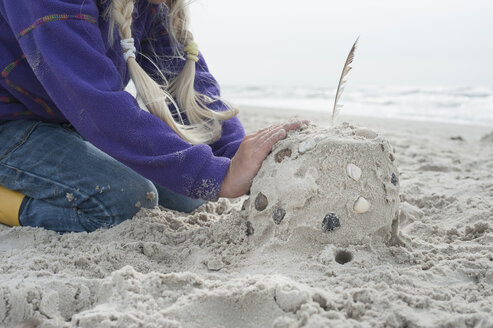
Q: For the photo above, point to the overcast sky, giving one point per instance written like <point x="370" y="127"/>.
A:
<point x="305" y="42"/>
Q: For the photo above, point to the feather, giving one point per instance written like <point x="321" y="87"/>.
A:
<point x="342" y="82"/>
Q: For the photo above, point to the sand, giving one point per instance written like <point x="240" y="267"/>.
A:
<point x="166" y="269"/>
<point x="320" y="186"/>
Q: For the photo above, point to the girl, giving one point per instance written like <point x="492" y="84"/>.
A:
<point x="77" y="153"/>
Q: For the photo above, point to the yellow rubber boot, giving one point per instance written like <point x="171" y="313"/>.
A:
<point x="10" y="203"/>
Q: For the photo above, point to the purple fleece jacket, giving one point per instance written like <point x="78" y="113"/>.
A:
<point x="58" y="65"/>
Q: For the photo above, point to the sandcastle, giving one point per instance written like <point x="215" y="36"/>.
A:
<point x="338" y="186"/>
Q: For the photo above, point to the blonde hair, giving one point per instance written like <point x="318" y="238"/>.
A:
<point x="204" y="124"/>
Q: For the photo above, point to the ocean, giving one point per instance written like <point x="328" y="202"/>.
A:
<point x="467" y="105"/>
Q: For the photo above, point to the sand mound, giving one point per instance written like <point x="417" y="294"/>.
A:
<point x="337" y="186"/>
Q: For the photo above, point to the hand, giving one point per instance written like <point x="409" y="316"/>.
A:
<point x="253" y="150"/>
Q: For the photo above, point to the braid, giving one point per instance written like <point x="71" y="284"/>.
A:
<point x="205" y="126"/>
<point x="122" y="13"/>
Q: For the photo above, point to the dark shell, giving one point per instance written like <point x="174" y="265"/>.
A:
<point x="330" y="222"/>
<point x="278" y="215"/>
<point x="261" y="202"/>
<point x="249" y="228"/>
<point x="391" y="157"/>
<point x="394" y="179"/>
<point x="280" y="155"/>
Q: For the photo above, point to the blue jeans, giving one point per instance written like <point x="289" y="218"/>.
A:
<point x="70" y="185"/>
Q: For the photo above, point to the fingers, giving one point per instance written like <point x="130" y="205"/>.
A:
<point x="287" y="126"/>
<point x="264" y="147"/>
<point x="266" y="136"/>
<point x="262" y="134"/>
<point x="268" y="128"/>
<point x="252" y="152"/>
<point x="267" y="131"/>
<point x="294" y="125"/>
<point x="261" y="143"/>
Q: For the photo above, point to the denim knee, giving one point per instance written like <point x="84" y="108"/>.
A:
<point x="131" y="197"/>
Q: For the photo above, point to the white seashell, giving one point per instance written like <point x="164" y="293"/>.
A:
<point x="353" y="172"/>
<point x="306" y="146"/>
<point x="366" y="133"/>
<point x="362" y="205"/>
<point x="215" y="264"/>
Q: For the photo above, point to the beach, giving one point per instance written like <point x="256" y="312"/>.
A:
<point x="168" y="269"/>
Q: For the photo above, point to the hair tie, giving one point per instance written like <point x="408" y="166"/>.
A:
<point x="192" y="50"/>
<point x="128" y="47"/>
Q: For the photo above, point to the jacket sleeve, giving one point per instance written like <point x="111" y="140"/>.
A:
<point x="64" y="46"/>
<point x="156" y="50"/>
